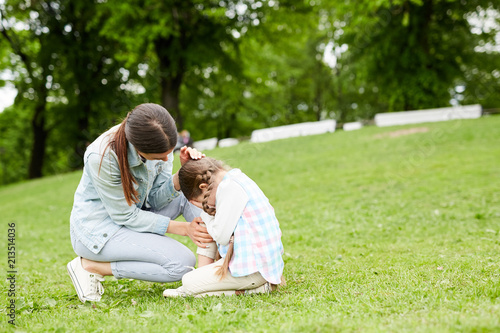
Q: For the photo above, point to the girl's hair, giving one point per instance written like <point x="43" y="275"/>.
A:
<point x="151" y="130"/>
<point x="196" y="172"/>
<point x="191" y="175"/>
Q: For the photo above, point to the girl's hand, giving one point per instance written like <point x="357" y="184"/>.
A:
<point x="198" y="233"/>
<point x="188" y="153"/>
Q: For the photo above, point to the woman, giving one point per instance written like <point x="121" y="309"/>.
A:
<point x="125" y="203"/>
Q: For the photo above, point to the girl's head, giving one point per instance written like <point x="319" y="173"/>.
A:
<point x="196" y="178"/>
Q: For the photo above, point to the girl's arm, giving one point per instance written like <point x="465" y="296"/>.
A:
<point x="230" y="202"/>
<point x="207" y="253"/>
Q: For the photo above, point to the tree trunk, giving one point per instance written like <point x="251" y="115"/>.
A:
<point x="82" y="137"/>
<point x="318" y="91"/>
<point x="39" y="140"/>
<point x="171" y="76"/>
<point x="230" y="125"/>
<point x="318" y="96"/>
<point x="170" y="90"/>
<point x="342" y="109"/>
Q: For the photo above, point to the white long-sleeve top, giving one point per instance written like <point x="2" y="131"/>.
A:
<point x="244" y="211"/>
<point x="230" y="201"/>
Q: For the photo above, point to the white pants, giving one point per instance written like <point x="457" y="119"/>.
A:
<point x="206" y="280"/>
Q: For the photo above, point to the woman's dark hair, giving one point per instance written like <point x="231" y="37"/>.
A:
<point x="151" y="130"/>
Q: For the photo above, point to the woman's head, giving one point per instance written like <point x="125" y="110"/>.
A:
<point x="151" y="129"/>
<point x="197" y="175"/>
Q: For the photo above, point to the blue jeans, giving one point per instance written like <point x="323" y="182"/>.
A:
<point x="147" y="256"/>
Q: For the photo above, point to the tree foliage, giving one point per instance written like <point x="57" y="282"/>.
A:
<point x="416" y="52"/>
<point x="225" y="68"/>
<point x="65" y="74"/>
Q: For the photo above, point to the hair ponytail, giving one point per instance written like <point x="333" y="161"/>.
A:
<point x="120" y="146"/>
<point x="224" y="269"/>
<point x="207" y="178"/>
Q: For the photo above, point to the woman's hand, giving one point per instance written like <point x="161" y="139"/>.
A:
<point x="188" y="153"/>
<point x="198" y="233"/>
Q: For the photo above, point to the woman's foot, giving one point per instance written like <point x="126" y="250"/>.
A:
<point x="88" y="285"/>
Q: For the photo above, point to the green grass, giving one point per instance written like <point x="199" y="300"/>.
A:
<point x="398" y="234"/>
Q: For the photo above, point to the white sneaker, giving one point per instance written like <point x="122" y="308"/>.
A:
<point x="264" y="289"/>
<point x="216" y="293"/>
<point x="88" y="285"/>
<point x="179" y="292"/>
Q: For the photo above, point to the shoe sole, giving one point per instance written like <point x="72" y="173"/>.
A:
<point x="172" y="295"/>
<point x="227" y="293"/>
<point x="78" y="288"/>
<point x="264" y="289"/>
<point x="201" y="295"/>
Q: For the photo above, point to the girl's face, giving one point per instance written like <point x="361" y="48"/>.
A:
<point x="198" y="201"/>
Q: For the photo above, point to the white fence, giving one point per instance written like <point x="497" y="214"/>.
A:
<point x="430" y="115"/>
<point x="289" y="131"/>
<point x="328" y="126"/>
<point x="228" y="142"/>
<point x="352" y="126"/>
<point x="207" y="144"/>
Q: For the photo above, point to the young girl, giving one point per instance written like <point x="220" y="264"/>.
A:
<point x="242" y="222"/>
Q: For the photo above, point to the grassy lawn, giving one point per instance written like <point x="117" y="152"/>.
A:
<point x="384" y="229"/>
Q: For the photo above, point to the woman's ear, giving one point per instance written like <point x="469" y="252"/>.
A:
<point x="203" y="186"/>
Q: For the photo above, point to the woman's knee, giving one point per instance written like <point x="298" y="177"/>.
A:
<point x="182" y="266"/>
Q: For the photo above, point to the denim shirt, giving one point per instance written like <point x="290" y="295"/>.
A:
<point x="100" y="208"/>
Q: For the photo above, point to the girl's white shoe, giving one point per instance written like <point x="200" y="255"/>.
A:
<point x="179" y="292"/>
<point x="264" y="289"/>
<point x="174" y="292"/>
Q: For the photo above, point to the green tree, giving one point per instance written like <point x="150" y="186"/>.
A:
<point x="65" y="74"/>
<point x="34" y="68"/>
<point x="171" y="37"/>
<point x="89" y="76"/>
<point x="414" y="52"/>
<point x="284" y="78"/>
<point x="91" y="79"/>
<point x="177" y="39"/>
